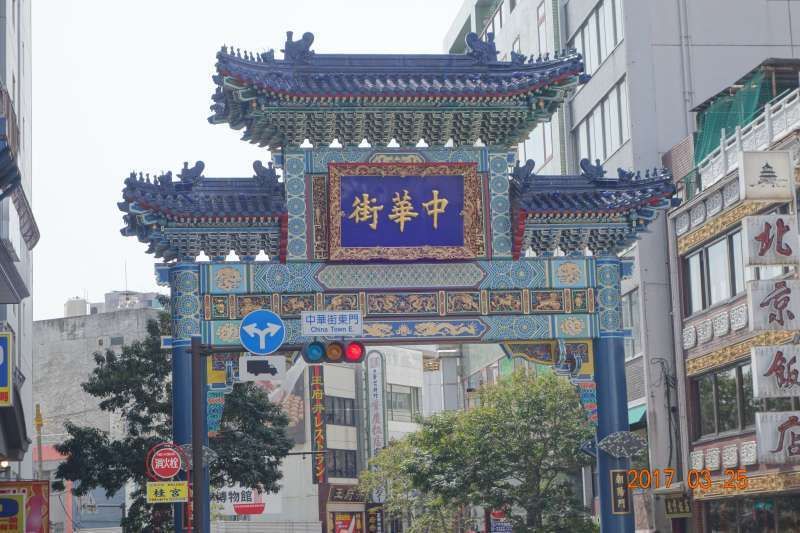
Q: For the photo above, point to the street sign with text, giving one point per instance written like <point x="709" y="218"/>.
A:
<point x="331" y="323"/>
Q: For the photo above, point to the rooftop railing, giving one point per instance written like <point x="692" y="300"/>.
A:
<point x="779" y="117"/>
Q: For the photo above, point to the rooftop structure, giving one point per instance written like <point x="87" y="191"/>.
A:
<point x="322" y="97"/>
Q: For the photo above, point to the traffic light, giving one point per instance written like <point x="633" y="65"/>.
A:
<point x="317" y="352"/>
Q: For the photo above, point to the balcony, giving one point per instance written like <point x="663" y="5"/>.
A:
<point x="779" y="118"/>
<point x="21" y="222"/>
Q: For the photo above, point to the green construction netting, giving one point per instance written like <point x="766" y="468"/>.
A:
<point x="729" y="111"/>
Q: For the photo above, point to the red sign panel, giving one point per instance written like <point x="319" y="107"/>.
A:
<point x="165" y="463"/>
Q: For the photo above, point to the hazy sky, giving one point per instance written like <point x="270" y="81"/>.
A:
<point x="121" y="86"/>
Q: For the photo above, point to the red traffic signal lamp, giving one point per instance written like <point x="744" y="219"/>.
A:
<point x="315" y="353"/>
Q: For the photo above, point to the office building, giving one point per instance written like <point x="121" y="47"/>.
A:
<point x="651" y="63"/>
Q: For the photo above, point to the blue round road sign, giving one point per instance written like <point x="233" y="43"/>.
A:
<point x="262" y="332"/>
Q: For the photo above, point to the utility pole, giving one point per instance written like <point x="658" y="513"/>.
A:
<point x="38" y="422"/>
<point x="199" y="487"/>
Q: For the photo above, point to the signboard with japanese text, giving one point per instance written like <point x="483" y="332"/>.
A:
<point x="165" y="463"/>
<point x="405" y="211"/>
<point x="770" y="240"/>
<point x="778" y="437"/>
<point x="12" y="513"/>
<point x="773" y="305"/>
<point x="36" y="496"/>
<point x="377" y="423"/>
<point x="167" y="491"/>
<point x="6" y="359"/>
<point x="375" y="518"/>
<point x="620" y="494"/>
<point x="766" y="176"/>
<point x="236" y="500"/>
<point x="775" y="371"/>
<point x="677" y="505"/>
<point x="331" y="323"/>
<point x="345" y="494"/>
<point x="316" y="381"/>
<point x="347" y="522"/>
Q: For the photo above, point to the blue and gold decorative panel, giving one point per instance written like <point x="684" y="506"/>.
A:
<point x="186" y="308"/>
<point x="505" y="302"/>
<point x="573" y="326"/>
<point x="547" y="301"/>
<point x="227" y="278"/>
<point x="317" y="160"/>
<point x="506" y="274"/>
<point x="402" y="303"/>
<point x="294" y="304"/>
<point x="275" y="277"/>
<point x="245" y="304"/>
<point x="400" y="276"/>
<point x="216" y="307"/>
<point x="569" y="272"/>
<point x="609" y="316"/>
<point x="340" y="302"/>
<point x="499" y="203"/>
<point x="405" y="211"/>
<point x="463" y="303"/>
<point x="295" y="185"/>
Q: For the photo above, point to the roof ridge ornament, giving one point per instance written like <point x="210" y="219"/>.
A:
<point x="192" y="175"/>
<point x="593" y="172"/>
<point x="483" y="51"/>
<point x="298" y="51"/>
<point x="522" y="173"/>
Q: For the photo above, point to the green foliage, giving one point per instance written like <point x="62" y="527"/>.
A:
<point x="424" y="511"/>
<point x="518" y="450"/>
<point x="136" y="385"/>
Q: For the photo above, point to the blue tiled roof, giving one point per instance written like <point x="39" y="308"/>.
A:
<point x="351" y="97"/>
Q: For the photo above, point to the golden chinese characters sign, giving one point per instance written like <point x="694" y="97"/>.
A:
<point x="405" y="211"/>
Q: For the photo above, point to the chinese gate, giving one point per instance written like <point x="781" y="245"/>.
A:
<point x="428" y="243"/>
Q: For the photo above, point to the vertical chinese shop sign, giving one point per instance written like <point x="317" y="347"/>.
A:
<point x="318" y="437"/>
<point x="772" y="240"/>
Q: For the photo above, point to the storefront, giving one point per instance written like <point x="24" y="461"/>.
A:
<point x="345" y="510"/>
<point x="756" y="514"/>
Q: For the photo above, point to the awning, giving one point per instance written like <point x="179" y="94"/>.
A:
<point x="637" y="415"/>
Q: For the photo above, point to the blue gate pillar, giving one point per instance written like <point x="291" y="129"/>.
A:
<point x="612" y="396"/>
<point x="184" y="281"/>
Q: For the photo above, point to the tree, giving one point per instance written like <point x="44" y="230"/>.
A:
<point x="388" y="473"/>
<point x="518" y="451"/>
<point x="136" y="384"/>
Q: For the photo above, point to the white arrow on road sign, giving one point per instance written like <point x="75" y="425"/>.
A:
<point x="253" y="330"/>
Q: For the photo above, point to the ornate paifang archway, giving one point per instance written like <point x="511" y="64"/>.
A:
<point x="354" y="228"/>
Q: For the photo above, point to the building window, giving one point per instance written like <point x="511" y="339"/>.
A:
<point x="342" y="463"/>
<point x="599" y="34"/>
<point x="714" y="273"/>
<point x="340" y="411"/>
<point x="630" y="320"/>
<point x="725" y="401"/>
<point x="541" y="26"/>
<point x="778" y="514"/>
<point x="605" y="127"/>
<point x="403" y="405"/>
<point x="117" y="341"/>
